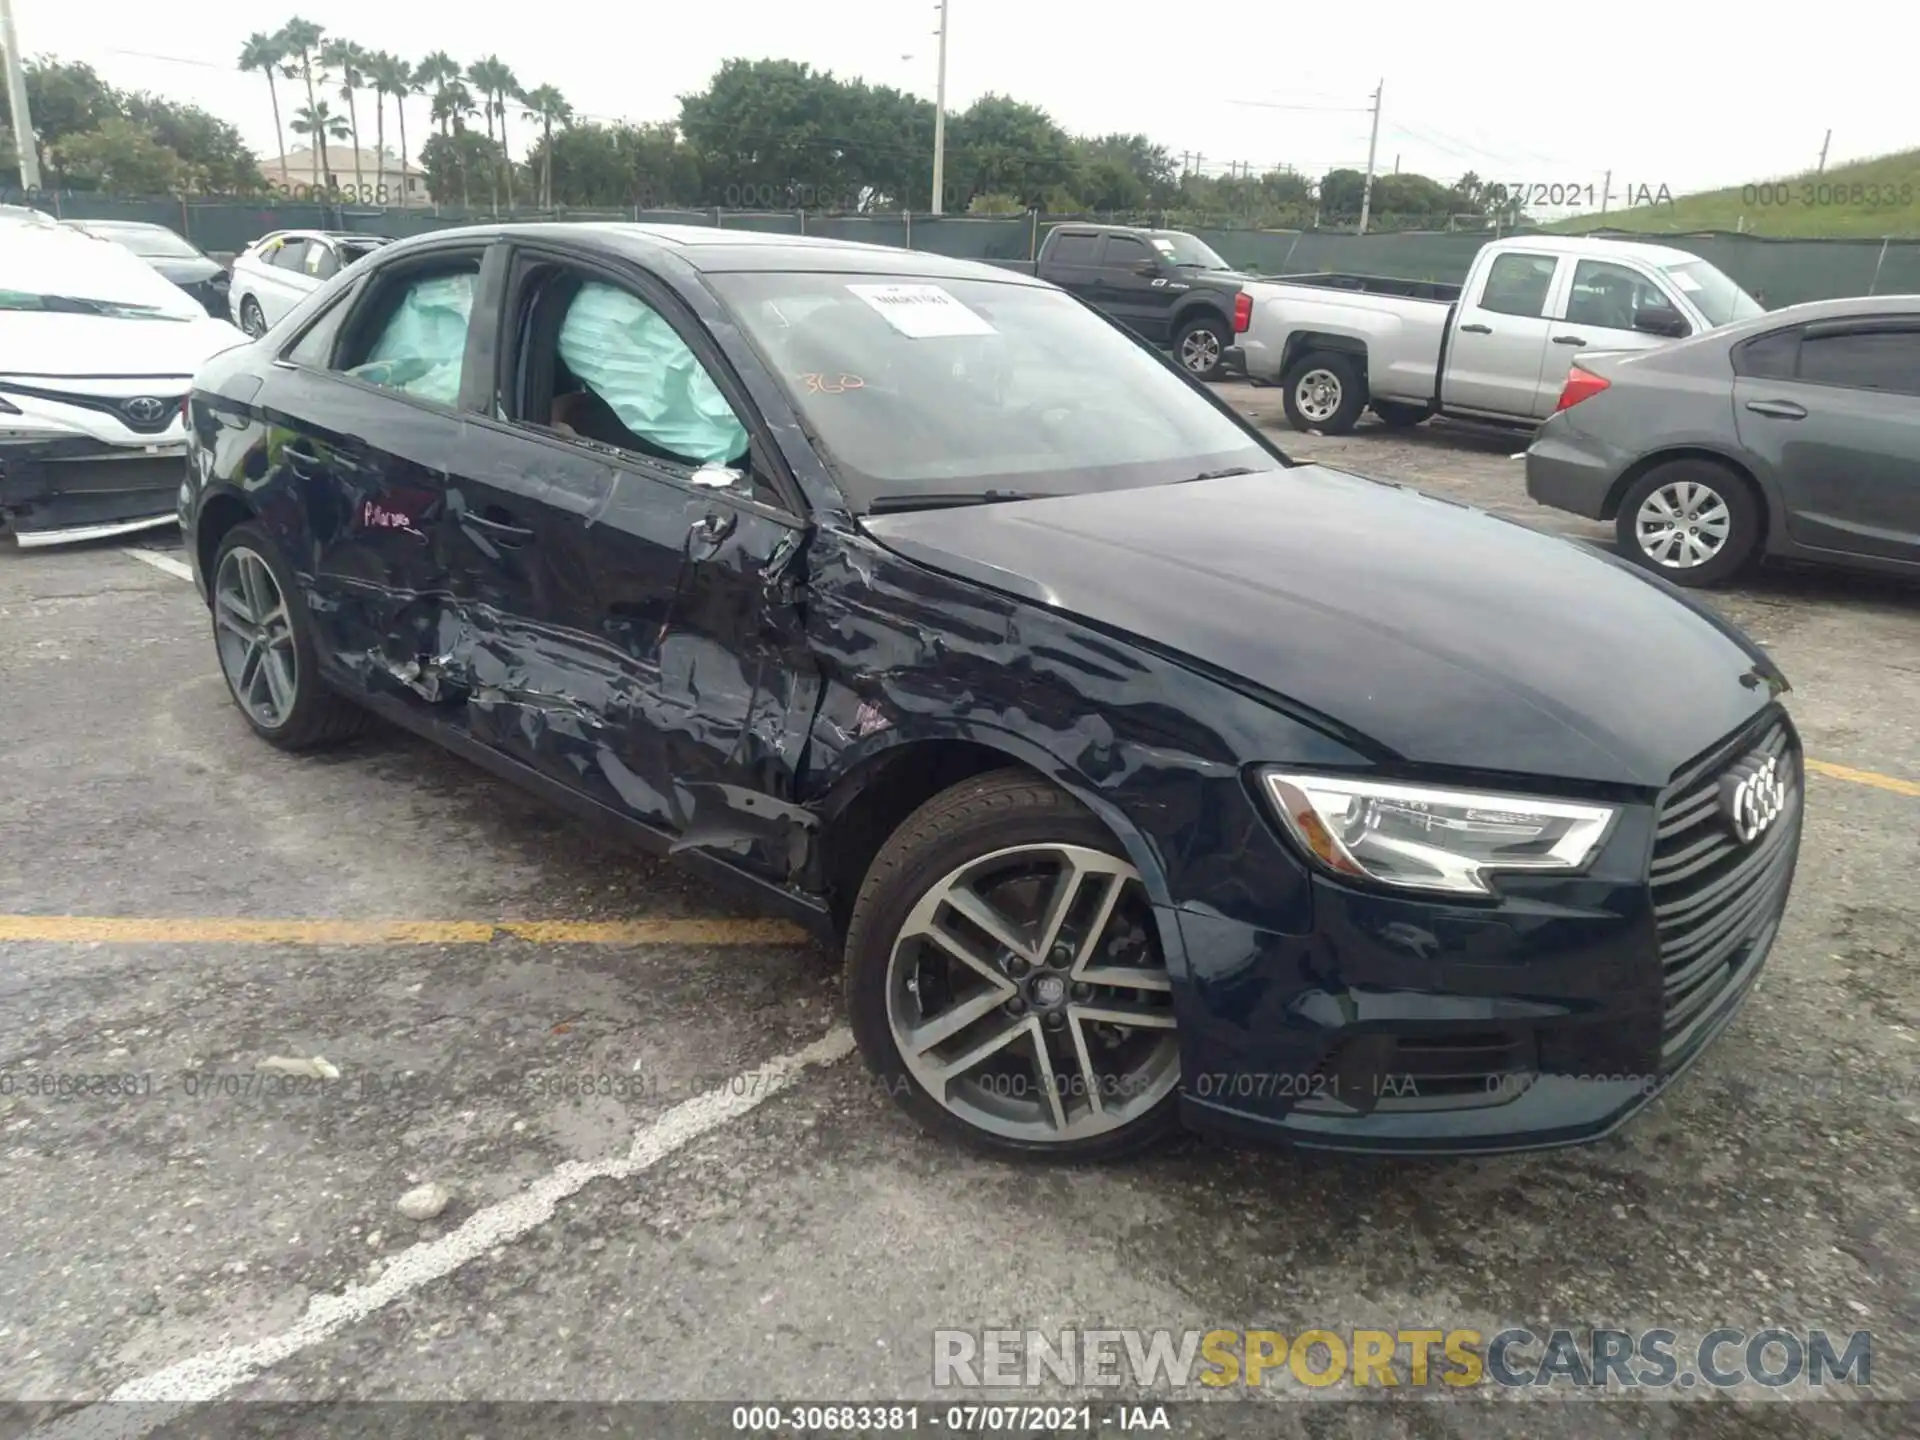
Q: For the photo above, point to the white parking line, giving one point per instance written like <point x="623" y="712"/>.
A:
<point x="179" y="569"/>
<point x="211" y="1374"/>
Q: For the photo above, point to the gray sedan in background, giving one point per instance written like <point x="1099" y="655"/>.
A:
<point x="1796" y="434"/>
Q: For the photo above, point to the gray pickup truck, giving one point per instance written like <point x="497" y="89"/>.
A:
<point x="1166" y="286"/>
<point x="1495" y="348"/>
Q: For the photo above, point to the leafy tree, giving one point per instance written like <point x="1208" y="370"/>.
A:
<point x="1148" y="169"/>
<point x="1001" y="145"/>
<point x="451" y="159"/>
<point x="214" y="156"/>
<point x="265" y="53"/>
<point x="120" y="156"/>
<point x="319" y="124"/>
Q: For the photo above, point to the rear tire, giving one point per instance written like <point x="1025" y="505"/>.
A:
<point x="252" y="321"/>
<point x="1693" y="522"/>
<point x="1324" y="392"/>
<point x="1005" y="847"/>
<point x="1201" y="347"/>
<point x="263" y="637"/>
<point x="1399" y="415"/>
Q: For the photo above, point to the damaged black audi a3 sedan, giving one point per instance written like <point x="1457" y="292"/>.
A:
<point x="1143" y="774"/>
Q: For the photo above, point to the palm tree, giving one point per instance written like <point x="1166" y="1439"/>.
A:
<point x="452" y="103"/>
<point x="433" y="74"/>
<point x="480" y="77"/>
<point x="496" y="83"/>
<point x="390" y="75"/>
<point x="319" y="122"/>
<point x="300" y="42"/>
<point x="351" y="60"/>
<point x="264" y="53"/>
<point x="549" y="107"/>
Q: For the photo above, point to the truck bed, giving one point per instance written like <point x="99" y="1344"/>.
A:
<point x="1434" y="290"/>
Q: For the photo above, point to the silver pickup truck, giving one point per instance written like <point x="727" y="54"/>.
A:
<point x="1495" y="348"/>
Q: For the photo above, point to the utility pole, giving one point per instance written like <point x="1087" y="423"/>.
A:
<point x="1396" y="164"/>
<point x="23" y="141"/>
<point x="1606" y="192"/>
<point x="1373" y="143"/>
<point x="1822" y="169"/>
<point x="939" y="120"/>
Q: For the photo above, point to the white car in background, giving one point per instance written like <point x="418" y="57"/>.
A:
<point x="283" y="267"/>
<point x="97" y="353"/>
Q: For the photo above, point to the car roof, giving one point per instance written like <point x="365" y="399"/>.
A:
<point x="1601" y="245"/>
<point x="1809" y="311"/>
<point x="713" y="249"/>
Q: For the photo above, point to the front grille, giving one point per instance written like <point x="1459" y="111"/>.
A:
<point x="1716" y="898"/>
<point x="164" y="410"/>
<point x="1384" y="1072"/>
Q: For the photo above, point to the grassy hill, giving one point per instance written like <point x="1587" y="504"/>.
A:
<point x="1838" y="204"/>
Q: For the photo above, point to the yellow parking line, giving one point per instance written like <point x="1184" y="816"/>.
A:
<point x="218" y="930"/>
<point x="1865" y="777"/>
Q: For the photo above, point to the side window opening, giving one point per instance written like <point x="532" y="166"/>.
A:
<point x="315" y="347"/>
<point x="417" y="340"/>
<point x="599" y="364"/>
<point x="1517" y="284"/>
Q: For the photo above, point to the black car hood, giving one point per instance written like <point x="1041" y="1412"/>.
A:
<point x="1439" y="633"/>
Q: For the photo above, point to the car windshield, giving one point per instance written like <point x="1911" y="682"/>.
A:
<point x="80" y="305"/>
<point x="154" y="242"/>
<point x="1184" y="249"/>
<point x="1717" y="297"/>
<point x="936" y="392"/>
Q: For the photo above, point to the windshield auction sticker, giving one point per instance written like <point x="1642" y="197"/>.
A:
<point x="922" y="312"/>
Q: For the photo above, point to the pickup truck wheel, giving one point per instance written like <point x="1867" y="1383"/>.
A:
<point x="1324" y="392"/>
<point x="1396" y="415"/>
<point x="1005" y="980"/>
<point x="1690" y="521"/>
<point x="1201" y="347"/>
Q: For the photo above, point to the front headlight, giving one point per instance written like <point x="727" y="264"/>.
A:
<point x="1418" y="838"/>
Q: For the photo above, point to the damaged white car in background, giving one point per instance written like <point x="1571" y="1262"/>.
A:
<point x="97" y="352"/>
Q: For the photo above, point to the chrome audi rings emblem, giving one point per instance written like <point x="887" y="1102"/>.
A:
<point x="1752" y="797"/>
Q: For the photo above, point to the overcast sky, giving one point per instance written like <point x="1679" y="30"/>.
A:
<point x="1683" y="94"/>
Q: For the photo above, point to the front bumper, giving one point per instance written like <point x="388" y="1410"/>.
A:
<point x="1549" y="1018"/>
<point x="72" y="488"/>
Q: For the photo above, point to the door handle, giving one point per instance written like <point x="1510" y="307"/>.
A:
<point x="1476" y="329"/>
<point x="1568" y="340"/>
<point x="498" y="528"/>
<point x="1778" y="409"/>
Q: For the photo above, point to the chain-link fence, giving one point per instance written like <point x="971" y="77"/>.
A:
<point x="1777" y="271"/>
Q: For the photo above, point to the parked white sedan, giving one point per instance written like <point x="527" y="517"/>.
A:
<point x="283" y="267"/>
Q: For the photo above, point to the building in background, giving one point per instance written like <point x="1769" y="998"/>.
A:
<point x="379" y="181"/>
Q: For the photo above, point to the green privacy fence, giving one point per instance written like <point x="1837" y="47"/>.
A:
<point x="1779" y="272"/>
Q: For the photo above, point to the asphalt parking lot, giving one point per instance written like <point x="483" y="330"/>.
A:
<point x="669" y="1179"/>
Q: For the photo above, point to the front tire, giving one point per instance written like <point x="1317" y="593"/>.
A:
<point x="1693" y="522"/>
<point x="1005" y="981"/>
<point x="1201" y="347"/>
<point x="264" y="639"/>
<point x="1324" y="392"/>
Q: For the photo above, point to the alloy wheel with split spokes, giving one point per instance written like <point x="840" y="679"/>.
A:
<point x="254" y="633"/>
<point x="1690" y="520"/>
<point x="262" y="636"/>
<point x="1006" y="978"/>
<point x="1682" y="525"/>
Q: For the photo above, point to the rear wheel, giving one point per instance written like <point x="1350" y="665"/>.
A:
<point x="1201" y="347"/>
<point x="1005" y="979"/>
<point x="252" y="321"/>
<point x="1692" y="521"/>
<point x="1324" y="392"/>
<point x="264" y="638"/>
